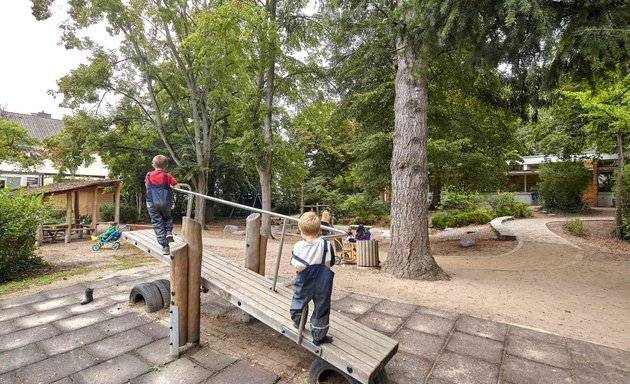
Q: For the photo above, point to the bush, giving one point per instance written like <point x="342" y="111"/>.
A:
<point x="504" y="204"/>
<point x="20" y="216"/>
<point x="460" y="201"/>
<point x="128" y="213"/>
<point x="461" y="219"/>
<point x="367" y="209"/>
<point x="54" y="215"/>
<point x="575" y="226"/>
<point x="439" y="220"/>
<point x="562" y="186"/>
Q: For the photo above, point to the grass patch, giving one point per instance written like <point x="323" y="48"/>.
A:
<point x="129" y="261"/>
<point x="575" y="226"/>
<point x="40" y="280"/>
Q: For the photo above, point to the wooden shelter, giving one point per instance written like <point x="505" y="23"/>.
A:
<point x="77" y="197"/>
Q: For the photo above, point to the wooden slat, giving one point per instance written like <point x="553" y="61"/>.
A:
<point x="355" y="344"/>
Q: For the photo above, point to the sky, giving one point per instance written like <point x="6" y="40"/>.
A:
<point x="31" y="59"/>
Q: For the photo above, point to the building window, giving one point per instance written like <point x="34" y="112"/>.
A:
<point x="32" y="182"/>
<point x="12" y="183"/>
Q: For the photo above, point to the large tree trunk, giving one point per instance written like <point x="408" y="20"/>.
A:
<point x="410" y="254"/>
<point x="201" y="186"/>
<point x="618" y="202"/>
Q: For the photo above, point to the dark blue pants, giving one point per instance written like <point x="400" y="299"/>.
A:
<point x="313" y="283"/>
<point x="161" y="220"/>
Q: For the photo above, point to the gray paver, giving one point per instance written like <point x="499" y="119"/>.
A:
<point x="118" y="370"/>
<point x="517" y="371"/>
<point x="337" y="294"/>
<point x="71" y="340"/>
<point x="212" y="360"/>
<point x="27" y="336"/>
<point x="66" y="291"/>
<point x="609" y="357"/>
<point x="156" y="330"/>
<point x="41" y="318"/>
<point x="118" y="344"/>
<point x="122" y="323"/>
<point x="551" y="354"/>
<point x="80" y="321"/>
<point x="393" y="308"/>
<point x="350" y="304"/>
<point x="22" y="300"/>
<point x="12" y="313"/>
<point x="57" y="367"/>
<point x="98" y="303"/>
<point x="367" y="299"/>
<point x="439" y="326"/>
<point x="477" y="347"/>
<point x="181" y="371"/>
<point x="103" y="283"/>
<point x="118" y="309"/>
<point x="537" y="336"/>
<point x="381" y="322"/>
<point x="437" y="313"/>
<point x="406" y="368"/>
<point x="8" y="326"/>
<point x="65" y="380"/>
<point x="419" y="343"/>
<point x="54" y="303"/>
<point x="457" y="368"/>
<point x="9" y="378"/>
<point x="480" y="327"/>
<point x="244" y="372"/>
<point x="20" y="357"/>
<point x="120" y="297"/>
<point x="157" y="352"/>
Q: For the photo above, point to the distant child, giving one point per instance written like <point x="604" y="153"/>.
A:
<point x="360" y="233"/>
<point x="326" y="221"/>
<point x="314" y="280"/>
<point x="160" y="201"/>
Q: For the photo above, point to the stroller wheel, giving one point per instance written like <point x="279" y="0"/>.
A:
<point x="115" y="245"/>
<point x="96" y="246"/>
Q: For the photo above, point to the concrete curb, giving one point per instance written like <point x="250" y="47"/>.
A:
<point x="502" y="231"/>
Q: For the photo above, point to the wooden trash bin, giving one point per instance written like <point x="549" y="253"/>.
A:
<point x="367" y="254"/>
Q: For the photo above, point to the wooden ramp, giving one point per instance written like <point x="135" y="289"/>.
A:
<point x="357" y="350"/>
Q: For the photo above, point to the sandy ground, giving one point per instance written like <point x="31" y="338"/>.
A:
<point x="575" y="292"/>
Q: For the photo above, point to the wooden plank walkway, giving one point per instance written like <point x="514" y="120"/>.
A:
<point x="357" y="350"/>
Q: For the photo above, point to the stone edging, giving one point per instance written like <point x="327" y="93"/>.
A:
<point x="502" y="231"/>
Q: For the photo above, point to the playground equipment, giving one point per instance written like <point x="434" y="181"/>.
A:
<point x="358" y="353"/>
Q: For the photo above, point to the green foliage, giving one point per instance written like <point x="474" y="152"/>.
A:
<point x="575" y="226"/>
<point x="20" y="216"/>
<point x="461" y="219"/>
<point x="504" y="204"/>
<point x="128" y="213"/>
<point x="54" y="215"/>
<point x="562" y="185"/>
<point x="16" y="144"/>
<point x="625" y="203"/>
<point x="367" y="209"/>
<point x="460" y="201"/>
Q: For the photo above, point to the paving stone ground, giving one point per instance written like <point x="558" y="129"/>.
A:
<point x="46" y="337"/>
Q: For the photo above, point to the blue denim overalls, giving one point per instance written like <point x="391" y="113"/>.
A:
<point x="159" y="203"/>
<point x="315" y="283"/>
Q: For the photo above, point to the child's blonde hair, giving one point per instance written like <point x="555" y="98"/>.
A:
<point x="309" y="224"/>
<point x="160" y="161"/>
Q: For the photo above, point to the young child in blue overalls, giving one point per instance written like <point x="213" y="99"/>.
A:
<point x="314" y="280"/>
<point x="160" y="201"/>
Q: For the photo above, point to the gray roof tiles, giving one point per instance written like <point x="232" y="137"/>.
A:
<point x="39" y="125"/>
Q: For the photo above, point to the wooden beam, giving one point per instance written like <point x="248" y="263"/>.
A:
<point x="192" y="233"/>
<point x="94" y="209"/>
<point x="179" y="289"/>
<point x="262" y="255"/>
<point x="117" y="203"/>
<point x="252" y="242"/>
<point x="68" y="216"/>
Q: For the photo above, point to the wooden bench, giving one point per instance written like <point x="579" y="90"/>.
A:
<point x="357" y="350"/>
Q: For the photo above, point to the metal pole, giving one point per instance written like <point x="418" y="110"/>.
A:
<point x="302" y="322"/>
<point x="275" y="275"/>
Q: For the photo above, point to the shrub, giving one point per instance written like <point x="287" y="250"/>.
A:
<point x="367" y="209"/>
<point x="461" y="219"/>
<point x="460" y="201"/>
<point x="54" y="215"/>
<point x="439" y="220"/>
<point x="128" y="213"/>
<point x="504" y="204"/>
<point x="20" y="216"/>
<point x="575" y="226"/>
<point x="562" y="185"/>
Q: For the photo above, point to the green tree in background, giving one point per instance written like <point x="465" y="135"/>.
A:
<point x="16" y="146"/>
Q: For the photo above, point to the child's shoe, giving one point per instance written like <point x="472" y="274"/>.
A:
<point x="326" y="339"/>
<point x="169" y="237"/>
<point x="166" y="250"/>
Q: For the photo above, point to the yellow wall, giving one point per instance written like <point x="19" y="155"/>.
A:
<point x="85" y="201"/>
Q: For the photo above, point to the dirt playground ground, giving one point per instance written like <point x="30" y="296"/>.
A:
<point x="580" y="291"/>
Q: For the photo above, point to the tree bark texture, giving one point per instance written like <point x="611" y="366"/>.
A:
<point x="410" y="254"/>
<point x="618" y="202"/>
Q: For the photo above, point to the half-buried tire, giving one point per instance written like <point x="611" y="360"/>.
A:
<point x="148" y="293"/>
<point x="165" y="291"/>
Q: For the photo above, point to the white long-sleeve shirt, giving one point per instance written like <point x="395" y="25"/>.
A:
<point x="311" y="252"/>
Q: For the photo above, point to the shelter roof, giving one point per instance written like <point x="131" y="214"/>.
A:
<point x="70" y="186"/>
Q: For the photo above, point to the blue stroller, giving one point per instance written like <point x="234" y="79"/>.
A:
<point x="111" y="236"/>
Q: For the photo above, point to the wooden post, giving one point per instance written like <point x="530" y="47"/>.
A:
<point x="179" y="289"/>
<point x="191" y="232"/>
<point x="94" y="210"/>
<point x="252" y="242"/>
<point x="262" y="255"/>
<point x="40" y="235"/>
<point x="117" y="204"/>
<point x="68" y="216"/>
<point x="77" y="209"/>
